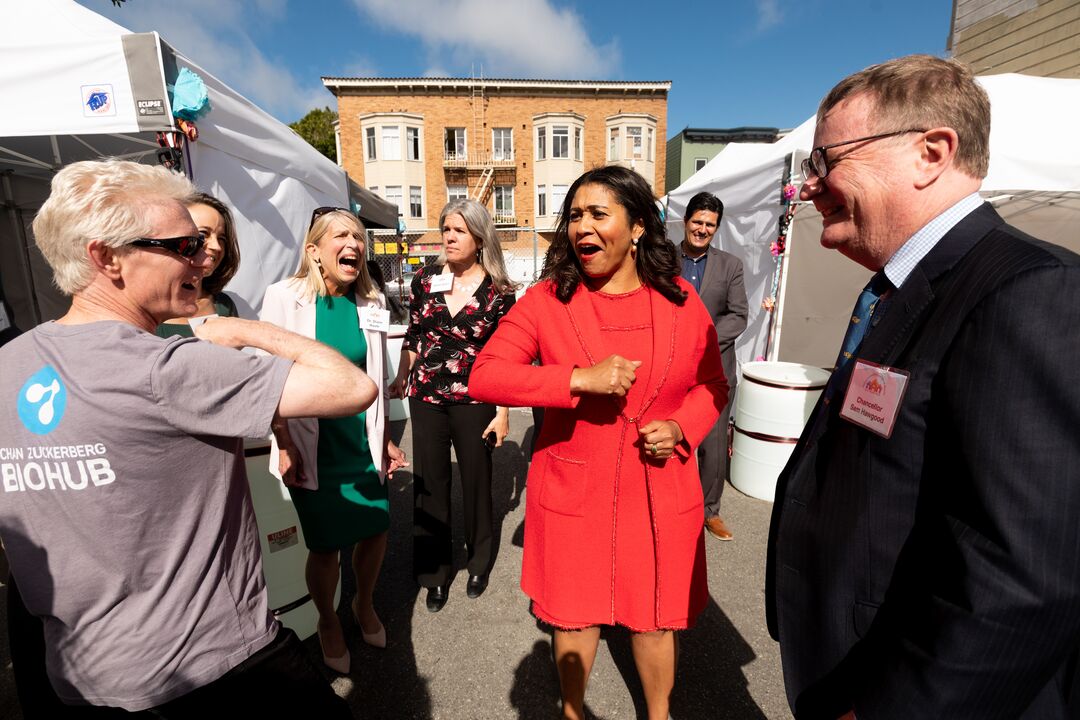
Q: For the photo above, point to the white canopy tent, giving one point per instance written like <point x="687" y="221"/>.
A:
<point x="1033" y="181"/>
<point x="78" y="86"/>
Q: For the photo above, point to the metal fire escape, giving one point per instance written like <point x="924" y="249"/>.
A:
<point x="476" y="158"/>
<point x="478" y="166"/>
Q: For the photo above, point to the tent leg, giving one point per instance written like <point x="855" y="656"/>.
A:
<point x="20" y="237"/>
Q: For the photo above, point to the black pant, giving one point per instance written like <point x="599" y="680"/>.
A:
<point x="435" y="427"/>
<point x="713" y="461"/>
<point x="278" y="681"/>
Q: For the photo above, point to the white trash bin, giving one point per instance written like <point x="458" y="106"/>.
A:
<point x="399" y="409"/>
<point x="773" y="403"/>
<point x="282" y="543"/>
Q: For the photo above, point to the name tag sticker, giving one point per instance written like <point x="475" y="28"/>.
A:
<point x="375" y="319"/>
<point x="873" y="397"/>
<point x="197" y="321"/>
<point x="442" y="283"/>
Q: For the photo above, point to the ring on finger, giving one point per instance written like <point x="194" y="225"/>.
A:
<point x="655" y="449"/>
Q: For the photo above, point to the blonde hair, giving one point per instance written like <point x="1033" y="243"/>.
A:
<point x="309" y="274"/>
<point x="104" y="200"/>
<point x="482" y="228"/>
<point x="925" y="91"/>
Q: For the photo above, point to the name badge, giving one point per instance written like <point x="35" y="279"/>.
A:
<point x="873" y="397"/>
<point x="197" y="321"/>
<point x="442" y="283"/>
<point x="375" y="319"/>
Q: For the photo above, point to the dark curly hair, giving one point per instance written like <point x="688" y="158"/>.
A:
<point x="657" y="263"/>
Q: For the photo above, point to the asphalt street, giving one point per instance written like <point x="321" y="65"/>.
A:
<point x="489" y="658"/>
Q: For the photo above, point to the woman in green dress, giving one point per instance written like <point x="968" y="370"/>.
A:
<point x="218" y="230"/>
<point x="336" y="468"/>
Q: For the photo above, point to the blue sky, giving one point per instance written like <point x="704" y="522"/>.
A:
<point x="731" y="62"/>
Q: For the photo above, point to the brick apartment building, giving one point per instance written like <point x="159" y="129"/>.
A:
<point x="515" y="145"/>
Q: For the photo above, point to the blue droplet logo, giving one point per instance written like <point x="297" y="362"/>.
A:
<point x="42" y="401"/>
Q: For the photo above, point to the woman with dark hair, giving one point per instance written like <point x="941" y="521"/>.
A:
<point x="455" y="306"/>
<point x="218" y="230"/>
<point x="630" y="375"/>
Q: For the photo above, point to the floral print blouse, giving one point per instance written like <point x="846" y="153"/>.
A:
<point x="446" y="347"/>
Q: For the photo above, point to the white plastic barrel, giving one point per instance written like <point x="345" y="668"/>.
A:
<point x="773" y="403"/>
<point x="282" y="542"/>
<point x="399" y="409"/>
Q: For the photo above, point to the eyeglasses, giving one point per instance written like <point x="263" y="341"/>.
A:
<point x="818" y="162"/>
<point x="320" y="211"/>
<point x="186" y="246"/>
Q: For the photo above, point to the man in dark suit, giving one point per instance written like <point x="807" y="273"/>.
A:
<point x="931" y="569"/>
<point x="718" y="278"/>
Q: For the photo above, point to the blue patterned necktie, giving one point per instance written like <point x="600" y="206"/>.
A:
<point x="857" y="329"/>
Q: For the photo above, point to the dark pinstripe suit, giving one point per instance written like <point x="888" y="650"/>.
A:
<point x="936" y="574"/>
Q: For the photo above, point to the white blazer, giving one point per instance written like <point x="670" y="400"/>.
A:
<point x="287" y="305"/>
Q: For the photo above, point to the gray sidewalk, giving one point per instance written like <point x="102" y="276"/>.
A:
<point x="488" y="658"/>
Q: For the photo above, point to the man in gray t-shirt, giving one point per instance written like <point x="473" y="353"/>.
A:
<point x="124" y="506"/>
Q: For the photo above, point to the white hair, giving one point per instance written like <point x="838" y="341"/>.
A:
<point x="104" y="200"/>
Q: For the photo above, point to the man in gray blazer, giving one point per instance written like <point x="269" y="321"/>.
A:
<point x="718" y="278"/>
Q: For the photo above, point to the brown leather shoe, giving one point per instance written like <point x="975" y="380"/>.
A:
<point x="717" y="528"/>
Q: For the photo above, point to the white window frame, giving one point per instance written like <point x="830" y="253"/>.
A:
<point x="392" y="195"/>
<point x="416" y="197"/>
<point x="558" y="191"/>
<point x="541" y="200"/>
<point x="634" y="143"/>
<point x="502" y="143"/>
<point x="413" y="143"/>
<point x="560" y="140"/>
<point x="649" y="144"/>
<point x="452" y="195"/>
<point x="577" y="143"/>
<point x="506" y="191"/>
<point x="391" y="141"/>
<point x="463" y="145"/>
<point x="613" y="143"/>
<point x="541" y="143"/>
<point x="371" y="154"/>
<point x="699" y="163"/>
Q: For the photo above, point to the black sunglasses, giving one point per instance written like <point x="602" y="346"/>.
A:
<point x="320" y="211"/>
<point x="818" y="162"/>
<point x="186" y="246"/>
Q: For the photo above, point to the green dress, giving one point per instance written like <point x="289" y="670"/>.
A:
<point x="223" y="306"/>
<point x="350" y="504"/>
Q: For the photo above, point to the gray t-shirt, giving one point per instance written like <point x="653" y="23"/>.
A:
<point x="125" y="510"/>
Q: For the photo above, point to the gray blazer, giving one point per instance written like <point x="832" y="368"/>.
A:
<point x="724" y="296"/>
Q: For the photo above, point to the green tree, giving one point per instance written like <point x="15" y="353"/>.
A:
<point x="317" y="127"/>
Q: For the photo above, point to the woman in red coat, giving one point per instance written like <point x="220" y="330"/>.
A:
<point x="631" y="376"/>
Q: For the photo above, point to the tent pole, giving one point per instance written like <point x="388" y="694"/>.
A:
<point x="20" y="237"/>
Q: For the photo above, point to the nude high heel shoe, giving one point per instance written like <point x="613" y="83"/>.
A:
<point x="376" y="639"/>
<point x="340" y="664"/>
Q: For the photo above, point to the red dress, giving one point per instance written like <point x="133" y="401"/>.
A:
<point x="611" y="537"/>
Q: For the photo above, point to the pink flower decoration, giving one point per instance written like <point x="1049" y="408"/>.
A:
<point x="774" y="248"/>
<point x="789" y="191"/>
<point x="768" y="304"/>
<point x="759" y="358"/>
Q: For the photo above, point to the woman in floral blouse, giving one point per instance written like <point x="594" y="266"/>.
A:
<point x="456" y="305"/>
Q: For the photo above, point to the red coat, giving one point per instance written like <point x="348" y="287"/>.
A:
<point x="581" y="522"/>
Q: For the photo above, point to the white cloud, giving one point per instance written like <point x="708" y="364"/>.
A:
<point x="223" y="47"/>
<point x="769" y="14"/>
<point x="529" y="38"/>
